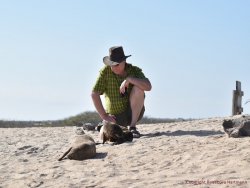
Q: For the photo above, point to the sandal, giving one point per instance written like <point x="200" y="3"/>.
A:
<point x="133" y="130"/>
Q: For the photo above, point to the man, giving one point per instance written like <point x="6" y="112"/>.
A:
<point x="123" y="86"/>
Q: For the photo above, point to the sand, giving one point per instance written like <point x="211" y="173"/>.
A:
<point x="183" y="154"/>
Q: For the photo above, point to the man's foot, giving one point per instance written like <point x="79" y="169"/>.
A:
<point x="135" y="132"/>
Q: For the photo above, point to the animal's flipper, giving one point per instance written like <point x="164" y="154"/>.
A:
<point x="66" y="153"/>
<point x="104" y="138"/>
<point x="98" y="143"/>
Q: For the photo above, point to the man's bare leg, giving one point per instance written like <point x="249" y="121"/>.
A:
<point x="136" y="104"/>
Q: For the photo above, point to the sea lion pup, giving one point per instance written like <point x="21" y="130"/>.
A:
<point x="114" y="133"/>
<point x="83" y="147"/>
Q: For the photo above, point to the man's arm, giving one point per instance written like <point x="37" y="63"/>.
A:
<point x="143" y="84"/>
<point x="99" y="107"/>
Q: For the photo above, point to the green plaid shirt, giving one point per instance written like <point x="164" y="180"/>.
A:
<point x="108" y="83"/>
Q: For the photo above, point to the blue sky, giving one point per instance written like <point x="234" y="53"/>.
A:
<point x="192" y="51"/>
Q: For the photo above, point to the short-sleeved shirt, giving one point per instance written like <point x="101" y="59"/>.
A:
<point x="108" y="83"/>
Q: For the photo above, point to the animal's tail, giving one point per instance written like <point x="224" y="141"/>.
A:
<point x="66" y="153"/>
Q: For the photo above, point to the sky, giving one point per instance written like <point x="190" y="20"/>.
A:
<point x="192" y="51"/>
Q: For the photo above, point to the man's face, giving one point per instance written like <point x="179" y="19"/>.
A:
<point x="119" y="68"/>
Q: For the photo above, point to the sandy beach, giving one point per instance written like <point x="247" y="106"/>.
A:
<point x="184" y="154"/>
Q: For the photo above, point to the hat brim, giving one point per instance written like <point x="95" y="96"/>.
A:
<point x="107" y="61"/>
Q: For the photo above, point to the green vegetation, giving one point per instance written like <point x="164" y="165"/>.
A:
<point x="86" y="117"/>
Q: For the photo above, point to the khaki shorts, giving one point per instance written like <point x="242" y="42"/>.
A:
<point x="124" y="118"/>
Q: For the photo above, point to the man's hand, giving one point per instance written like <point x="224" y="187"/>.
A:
<point x="123" y="86"/>
<point x="108" y="117"/>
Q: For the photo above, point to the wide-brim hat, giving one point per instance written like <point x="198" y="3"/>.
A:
<point x="116" y="56"/>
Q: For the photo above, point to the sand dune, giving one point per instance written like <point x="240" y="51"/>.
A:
<point x="167" y="155"/>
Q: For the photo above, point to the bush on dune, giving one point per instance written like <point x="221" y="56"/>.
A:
<point x="85" y="117"/>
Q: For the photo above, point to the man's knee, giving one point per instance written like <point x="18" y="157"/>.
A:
<point x="137" y="91"/>
<point x="137" y="97"/>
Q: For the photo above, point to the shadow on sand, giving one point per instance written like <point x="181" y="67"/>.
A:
<point x="100" y="155"/>
<point x="183" y="133"/>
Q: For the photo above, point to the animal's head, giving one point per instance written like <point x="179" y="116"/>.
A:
<point x="227" y="124"/>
